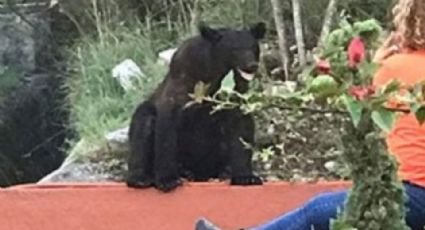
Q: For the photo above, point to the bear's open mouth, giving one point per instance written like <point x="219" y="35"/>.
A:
<point x="246" y="76"/>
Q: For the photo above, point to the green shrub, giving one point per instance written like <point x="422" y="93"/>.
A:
<point x="97" y="102"/>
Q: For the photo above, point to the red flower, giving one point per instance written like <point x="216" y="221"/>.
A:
<point x="356" y="52"/>
<point x="323" y="66"/>
<point x="362" y="92"/>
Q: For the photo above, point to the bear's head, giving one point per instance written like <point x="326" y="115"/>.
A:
<point x="239" y="49"/>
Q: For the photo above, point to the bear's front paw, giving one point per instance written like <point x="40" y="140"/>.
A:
<point x="246" y="180"/>
<point x="167" y="185"/>
<point x="140" y="183"/>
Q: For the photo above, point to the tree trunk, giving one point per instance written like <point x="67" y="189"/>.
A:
<point x="298" y="27"/>
<point x="195" y="17"/>
<point x="280" y="28"/>
<point x="327" y="21"/>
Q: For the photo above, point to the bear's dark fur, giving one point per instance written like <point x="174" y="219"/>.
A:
<point x="167" y="139"/>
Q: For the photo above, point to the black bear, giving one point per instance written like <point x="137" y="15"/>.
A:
<point x="168" y="139"/>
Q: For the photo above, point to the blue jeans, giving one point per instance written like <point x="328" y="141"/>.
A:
<point x="321" y="209"/>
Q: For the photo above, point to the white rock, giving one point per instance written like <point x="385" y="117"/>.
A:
<point x="331" y="166"/>
<point x="166" y="56"/>
<point x="53" y="3"/>
<point x="291" y="86"/>
<point x="125" y="72"/>
<point x="118" y="136"/>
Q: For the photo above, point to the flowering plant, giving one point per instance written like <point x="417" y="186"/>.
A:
<point x="342" y="78"/>
<point x="376" y="200"/>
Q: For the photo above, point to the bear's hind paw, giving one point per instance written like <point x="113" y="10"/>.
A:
<point x="168" y="185"/>
<point x="140" y="184"/>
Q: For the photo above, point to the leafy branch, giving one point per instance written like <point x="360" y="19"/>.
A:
<point x="342" y="80"/>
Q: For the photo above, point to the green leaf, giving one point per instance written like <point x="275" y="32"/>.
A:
<point x="367" y="70"/>
<point x="414" y="107"/>
<point x="420" y="115"/>
<point x="354" y="108"/>
<point x="199" y="92"/>
<point x="391" y="87"/>
<point x="419" y="111"/>
<point x="228" y="83"/>
<point x="384" y="119"/>
<point x="378" y="102"/>
<point x="324" y="86"/>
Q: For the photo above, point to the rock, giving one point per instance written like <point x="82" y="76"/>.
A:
<point x="32" y="130"/>
<point x="87" y="163"/>
<point x="23" y="42"/>
<point x="32" y="117"/>
<point x="291" y="86"/>
<point x="78" y="173"/>
<point x="280" y="88"/>
<point x="166" y="56"/>
<point x="331" y="166"/>
<point x="119" y="137"/>
<point x="126" y="72"/>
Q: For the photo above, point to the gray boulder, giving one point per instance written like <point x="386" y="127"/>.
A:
<point x="23" y="37"/>
<point x="94" y="163"/>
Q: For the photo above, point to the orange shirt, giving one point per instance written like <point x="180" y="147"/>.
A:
<point x="407" y="139"/>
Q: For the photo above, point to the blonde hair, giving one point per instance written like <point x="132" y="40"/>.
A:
<point x="409" y="23"/>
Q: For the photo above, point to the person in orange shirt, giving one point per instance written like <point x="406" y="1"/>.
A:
<point x="402" y="57"/>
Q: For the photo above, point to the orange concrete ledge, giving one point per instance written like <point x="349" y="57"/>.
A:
<point x="116" y="207"/>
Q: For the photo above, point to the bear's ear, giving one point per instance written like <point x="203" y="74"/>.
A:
<point x="210" y="34"/>
<point x="259" y="30"/>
